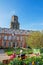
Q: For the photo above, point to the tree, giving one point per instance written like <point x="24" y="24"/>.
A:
<point x="35" y="39"/>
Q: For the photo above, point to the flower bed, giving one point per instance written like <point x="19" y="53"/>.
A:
<point x="27" y="61"/>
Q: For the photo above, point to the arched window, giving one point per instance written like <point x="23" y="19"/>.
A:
<point x="4" y="44"/>
<point x="20" y="44"/>
<point x="13" y="44"/>
<point x="9" y="44"/>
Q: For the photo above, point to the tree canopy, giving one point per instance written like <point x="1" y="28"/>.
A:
<point x="35" y="39"/>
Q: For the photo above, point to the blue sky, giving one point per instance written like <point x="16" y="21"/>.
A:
<point x="29" y="12"/>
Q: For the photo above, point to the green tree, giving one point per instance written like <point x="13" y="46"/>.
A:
<point x="35" y="39"/>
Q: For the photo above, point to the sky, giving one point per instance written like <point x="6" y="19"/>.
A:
<point x="29" y="12"/>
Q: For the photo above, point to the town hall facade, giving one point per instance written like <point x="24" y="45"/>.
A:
<point x="13" y="36"/>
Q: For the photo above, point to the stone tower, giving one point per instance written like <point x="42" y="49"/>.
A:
<point x="14" y="22"/>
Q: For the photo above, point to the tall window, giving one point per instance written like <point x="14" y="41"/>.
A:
<point x="9" y="37"/>
<point x="14" y="37"/>
<point x="21" y="38"/>
<point x="0" y="36"/>
<point x="4" y="44"/>
<point x="13" y="44"/>
<point x="17" y="38"/>
<point x="21" y="44"/>
<point x="5" y="37"/>
<point x="9" y="44"/>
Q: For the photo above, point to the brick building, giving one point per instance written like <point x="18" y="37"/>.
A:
<point x="13" y="36"/>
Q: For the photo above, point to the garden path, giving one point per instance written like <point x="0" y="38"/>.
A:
<point x="3" y="55"/>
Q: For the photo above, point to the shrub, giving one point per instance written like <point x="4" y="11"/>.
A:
<point x="1" y="63"/>
<point x="9" y="51"/>
<point x="27" y="61"/>
<point x="16" y="61"/>
<point x="41" y="50"/>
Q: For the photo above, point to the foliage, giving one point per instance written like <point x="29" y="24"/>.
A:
<point x="1" y="63"/>
<point x="24" y="50"/>
<point x="27" y="61"/>
<point x="9" y="51"/>
<point x="16" y="61"/>
<point x="41" y="50"/>
<point x="35" y="40"/>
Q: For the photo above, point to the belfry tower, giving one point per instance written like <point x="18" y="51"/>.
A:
<point x="14" y="22"/>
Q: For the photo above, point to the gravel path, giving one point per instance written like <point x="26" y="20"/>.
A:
<point x="3" y="55"/>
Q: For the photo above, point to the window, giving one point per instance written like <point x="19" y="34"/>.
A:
<point x="14" y="37"/>
<point x="13" y="44"/>
<point x="16" y="44"/>
<point x="9" y="37"/>
<point x="0" y="36"/>
<point x="21" y="38"/>
<point x="5" y="37"/>
<point x="9" y="44"/>
<point x="17" y="38"/>
<point x="21" y="44"/>
<point x="4" y="44"/>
